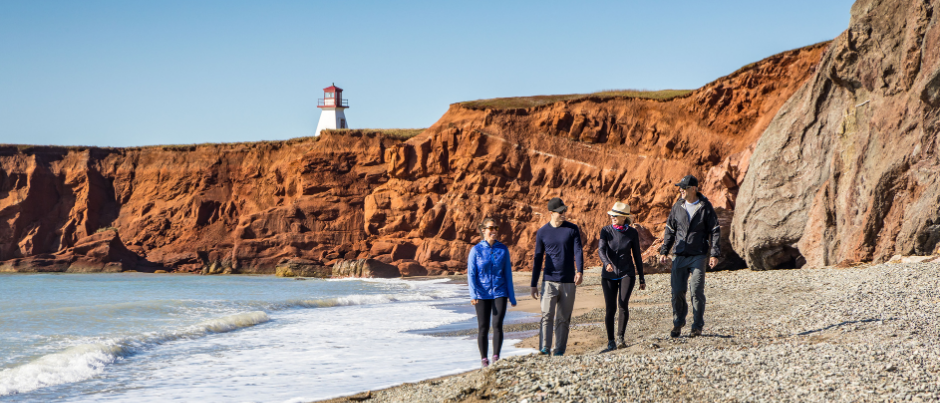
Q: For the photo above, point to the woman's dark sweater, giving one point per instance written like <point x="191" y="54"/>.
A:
<point x="615" y="247"/>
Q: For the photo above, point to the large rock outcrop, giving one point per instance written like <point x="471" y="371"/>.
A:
<point x="847" y="170"/>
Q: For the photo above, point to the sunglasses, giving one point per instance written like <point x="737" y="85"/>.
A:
<point x="492" y="227"/>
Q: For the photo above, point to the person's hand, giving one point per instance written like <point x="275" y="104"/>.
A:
<point x="535" y="293"/>
<point x="662" y="259"/>
<point x="642" y="286"/>
<point x="578" y="278"/>
<point x="513" y="305"/>
<point x="610" y="268"/>
<point x="712" y="262"/>
<point x="474" y="301"/>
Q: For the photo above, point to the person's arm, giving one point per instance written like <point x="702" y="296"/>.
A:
<point x="637" y="255"/>
<point x="472" y="274"/>
<point x="537" y="262"/>
<point x="715" y="230"/>
<point x="578" y="251"/>
<point x="603" y="249"/>
<point x="669" y="234"/>
<point x="507" y="271"/>
<point x="578" y="257"/>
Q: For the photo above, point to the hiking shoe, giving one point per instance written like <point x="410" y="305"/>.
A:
<point x="495" y="358"/>
<point x="557" y="354"/>
<point x="485" y="362"/>
<point x="611" y="346"/>
<point x="675" y="331"/>
<point x="695" y="333"/>
<point x="544" y="351"/>
<point x="621" y="343"/>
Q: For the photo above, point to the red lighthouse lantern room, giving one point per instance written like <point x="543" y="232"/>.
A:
<point x="333" y="98"/>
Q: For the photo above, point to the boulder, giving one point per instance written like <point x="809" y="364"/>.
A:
<point x="846" y="170"/>
<point x="364" y="268"/>
<point x="411" y="268"/>
<point x="297" y="267"/>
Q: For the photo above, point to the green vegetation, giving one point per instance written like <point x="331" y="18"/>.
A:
<point x="539" y="100"/>
<point x="402" y="134"/>
<point x="103" y="229"/>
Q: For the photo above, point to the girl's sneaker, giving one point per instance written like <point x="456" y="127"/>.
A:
<point x="485" y="362"/>
<point x="495" y="358"/>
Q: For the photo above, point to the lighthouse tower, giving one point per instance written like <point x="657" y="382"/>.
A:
<point x="332" y="106"/>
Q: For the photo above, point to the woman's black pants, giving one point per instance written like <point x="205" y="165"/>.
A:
<point x="617" y="294"/>
<point x="485" y="309"/>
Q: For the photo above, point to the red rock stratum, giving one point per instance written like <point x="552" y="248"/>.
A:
<point x="414" y="205"/>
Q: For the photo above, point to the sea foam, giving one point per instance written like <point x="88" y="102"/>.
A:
<point x="84" y="361"/>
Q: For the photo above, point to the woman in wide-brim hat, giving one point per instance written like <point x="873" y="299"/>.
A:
<point x="619" y="250"/>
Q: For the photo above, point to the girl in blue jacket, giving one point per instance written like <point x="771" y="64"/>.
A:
<point x="489" y="274"/>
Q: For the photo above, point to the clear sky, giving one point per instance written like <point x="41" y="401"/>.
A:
<point x="122" y="73"/>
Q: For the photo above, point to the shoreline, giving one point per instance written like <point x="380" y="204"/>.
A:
<point x="584" y="336"/>
<point x="863" y="333"/>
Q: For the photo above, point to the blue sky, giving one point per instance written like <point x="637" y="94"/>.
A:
<point x="124" y="73"/>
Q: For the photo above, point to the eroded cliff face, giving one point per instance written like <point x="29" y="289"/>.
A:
<point x="847" y="171"/>
<point x="592" y="152"/>
<point x="326" y="206"/>
<point x="226" y="207"/>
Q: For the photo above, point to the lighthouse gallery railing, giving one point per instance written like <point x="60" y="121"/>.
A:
<point x="332" y="102"/>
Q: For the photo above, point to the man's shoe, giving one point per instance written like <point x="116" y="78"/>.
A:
<point x="620" y="343"/>
<point x="696" y="333"/>
<point x="611" y="346"/>
<point x="557" y="354"/>
<point x="544" y="351"/>
<point x="675" y="331"/>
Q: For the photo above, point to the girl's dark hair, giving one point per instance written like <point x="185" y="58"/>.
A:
<point x="483" y="224"/>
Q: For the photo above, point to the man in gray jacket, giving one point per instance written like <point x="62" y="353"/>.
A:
<point x="693" y="229"/>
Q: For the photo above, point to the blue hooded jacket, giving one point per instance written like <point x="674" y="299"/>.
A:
<point x="489" y="272"/>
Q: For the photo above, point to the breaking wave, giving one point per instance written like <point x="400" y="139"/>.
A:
<point x="84" y="361"/>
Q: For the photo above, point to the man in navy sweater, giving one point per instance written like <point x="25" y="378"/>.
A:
<point x="561" y="242"/>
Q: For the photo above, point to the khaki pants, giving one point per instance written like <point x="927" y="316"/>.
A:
<point x="560" y="295"/>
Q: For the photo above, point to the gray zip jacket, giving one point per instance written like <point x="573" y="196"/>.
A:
<point x="698" y="236"/>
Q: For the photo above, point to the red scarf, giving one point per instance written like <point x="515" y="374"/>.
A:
<point x="620" y="228"/>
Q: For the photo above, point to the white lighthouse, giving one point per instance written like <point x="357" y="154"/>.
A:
<point x="332" y="105"/>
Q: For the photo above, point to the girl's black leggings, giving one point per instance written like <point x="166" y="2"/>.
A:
<point x="617" y="293"/>
<point x="485" y="308"/>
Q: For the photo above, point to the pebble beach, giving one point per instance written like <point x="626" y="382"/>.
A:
<point x="868" y="333"/>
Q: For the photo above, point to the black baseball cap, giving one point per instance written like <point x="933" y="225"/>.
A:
<point x="689" y="180"/>
<point x="556" y="205"/>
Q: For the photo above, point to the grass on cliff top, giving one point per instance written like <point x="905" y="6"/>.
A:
<point x="403" y="134"/>
<point x="539" y="100"/>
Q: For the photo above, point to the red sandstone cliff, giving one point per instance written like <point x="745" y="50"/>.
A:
<point x="310" y="203"/>
<point x="591" y="152"/>
<point x="225" y="207"/>
<point x="847" y="171"/>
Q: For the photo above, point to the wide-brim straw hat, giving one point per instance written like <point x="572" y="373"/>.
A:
<point x="620" y="209"/>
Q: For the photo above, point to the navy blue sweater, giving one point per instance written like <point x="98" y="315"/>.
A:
<point x="563" y="247"/>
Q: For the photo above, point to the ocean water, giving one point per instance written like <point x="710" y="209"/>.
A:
<point x="155" y="338"/>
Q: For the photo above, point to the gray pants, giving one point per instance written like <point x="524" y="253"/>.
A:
<point x="560" y="295"/>
<point x="686" y="270"/>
